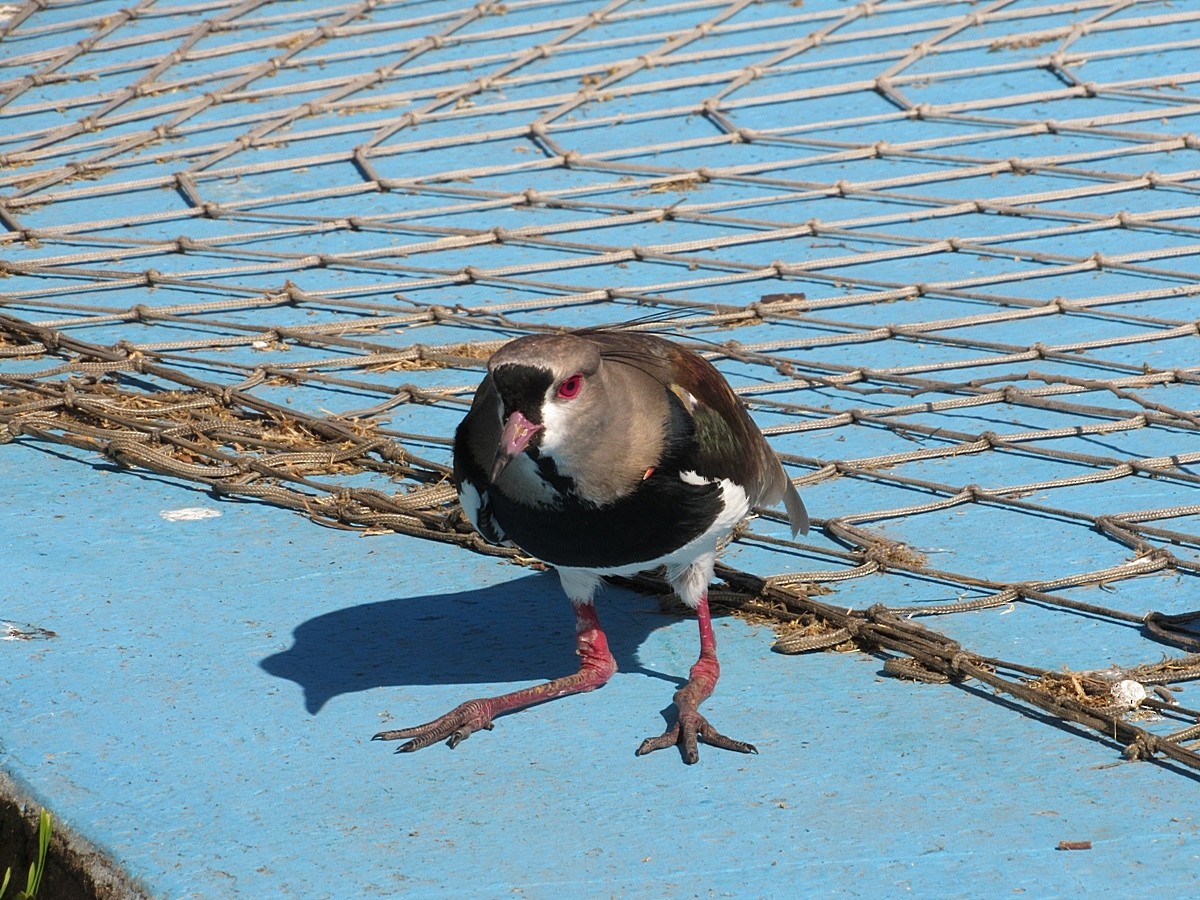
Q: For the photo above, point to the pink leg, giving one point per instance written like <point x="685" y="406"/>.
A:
<point x="690" y="726"/>
<point x="595" y="668"/>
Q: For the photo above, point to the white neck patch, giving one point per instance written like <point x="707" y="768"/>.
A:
<point x="554" y="429"/>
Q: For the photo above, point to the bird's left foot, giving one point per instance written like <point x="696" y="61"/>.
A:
<point x="690" y="730"/>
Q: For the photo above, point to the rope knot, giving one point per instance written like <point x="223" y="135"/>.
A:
<point x="1143" y="747"/>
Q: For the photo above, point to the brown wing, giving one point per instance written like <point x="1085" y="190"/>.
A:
<point x="726" y="442"/>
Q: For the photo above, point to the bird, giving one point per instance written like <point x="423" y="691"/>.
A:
<point x="603" y="452"/>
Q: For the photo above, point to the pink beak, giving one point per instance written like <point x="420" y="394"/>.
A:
<point x="518" y="432"/>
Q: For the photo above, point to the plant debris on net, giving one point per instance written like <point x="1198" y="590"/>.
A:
<point x="946" y="251"/>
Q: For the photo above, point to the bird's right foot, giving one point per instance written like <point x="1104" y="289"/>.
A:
<point x="453" y="728"/>
<point x="595" y="668"/>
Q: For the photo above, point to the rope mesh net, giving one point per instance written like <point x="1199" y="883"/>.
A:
<point x="947" y="252"/>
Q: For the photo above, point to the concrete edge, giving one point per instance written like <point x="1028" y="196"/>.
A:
<point x="75" y="868"/>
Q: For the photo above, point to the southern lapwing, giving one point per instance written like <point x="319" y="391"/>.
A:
<point x="605" y="452"/>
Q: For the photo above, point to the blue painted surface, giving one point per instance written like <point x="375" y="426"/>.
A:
<point x="205" y="709"/>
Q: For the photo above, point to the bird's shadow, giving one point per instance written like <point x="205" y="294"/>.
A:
<point x="522" y="630"/>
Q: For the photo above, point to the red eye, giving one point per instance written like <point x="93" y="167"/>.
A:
<point x="569" y="389"/>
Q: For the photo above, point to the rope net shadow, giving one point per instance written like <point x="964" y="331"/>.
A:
<point x="947" y="252"/>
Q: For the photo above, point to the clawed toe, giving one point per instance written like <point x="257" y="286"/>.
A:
<point x="690" y="730"/>
<point x="454" y="728"/>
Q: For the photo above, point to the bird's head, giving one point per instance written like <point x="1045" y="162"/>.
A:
<point x="548" y="394"/>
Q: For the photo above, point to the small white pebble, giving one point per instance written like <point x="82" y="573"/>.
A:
<point x="189" y="514"/>
<point x="1129" y="693"/>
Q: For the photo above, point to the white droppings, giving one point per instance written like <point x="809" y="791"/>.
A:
<point x="11" y="631"/>
<point x="1129" y="693"/>
<point x="189" y="514"/>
